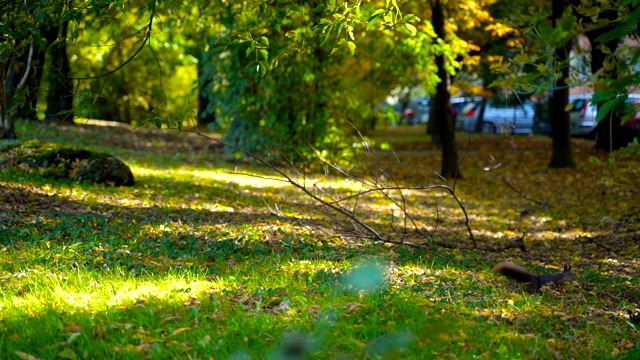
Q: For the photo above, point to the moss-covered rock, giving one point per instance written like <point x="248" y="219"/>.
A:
<point x="64" y="162"/>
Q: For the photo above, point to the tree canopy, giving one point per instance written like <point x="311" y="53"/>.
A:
<point x="314" y="72"/>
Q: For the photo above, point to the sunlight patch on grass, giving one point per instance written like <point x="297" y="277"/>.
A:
<point x="82" y="291"/>
<point x="220" y="175"/>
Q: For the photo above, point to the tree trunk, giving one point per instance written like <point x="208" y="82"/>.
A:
<point x="608" y="130"/>
<point x="561" y="151"/>
<point x="480" y="119"/>
<point x="23" y="63"/>
<point x="7" y="130"/>
<point x="30" y="109"/>
<point x="204" y="118"/>
<point x="440" y="117"/>
<point x="60" y="97"/>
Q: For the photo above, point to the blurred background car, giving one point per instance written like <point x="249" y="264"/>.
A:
<point x="416" y="112"/>
<point x="583" y="115"/>
<point x="499" y="117"/>
<point x="458" y="103"/>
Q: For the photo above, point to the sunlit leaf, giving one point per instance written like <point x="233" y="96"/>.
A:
<point x="412" y="29"/>
<point x="352" y="47"/>
<point x="264" y="54"/>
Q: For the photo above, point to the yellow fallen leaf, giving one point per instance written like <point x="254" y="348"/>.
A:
<point x="180" y="331"/>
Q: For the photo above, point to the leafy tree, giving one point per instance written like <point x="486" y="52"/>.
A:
<point x="60" y="94"/>
<point x="123" y="67"/>
<point x="291" y="83"/>
<point x="19" y="38"/>
<point x="441" y="119"/>
<point x="562" y="24"/>
<point x="27" y="29"/>
<point x="543" y="65"/>
<point x="449" y="50"/>
<point x="612" y="65"/>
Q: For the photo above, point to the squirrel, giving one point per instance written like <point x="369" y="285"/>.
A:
<point x="520" y="274"/>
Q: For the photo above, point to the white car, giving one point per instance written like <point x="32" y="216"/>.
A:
<point x="583" y="114"/>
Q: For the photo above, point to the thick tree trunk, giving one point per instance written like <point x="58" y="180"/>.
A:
<point x="60" y="97"/>
<point x="561" y="151"/>
<point x="440" y="117"/>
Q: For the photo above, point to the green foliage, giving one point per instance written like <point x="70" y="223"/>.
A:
<point x="278" y="86"/>
<point x="534" y="69"/>
<point x="125" y="70"/>
<point x="619" y="156"/>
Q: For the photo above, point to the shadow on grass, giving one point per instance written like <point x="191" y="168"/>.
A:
<point x="155" y="238"/>
<point x="194" y="204"/>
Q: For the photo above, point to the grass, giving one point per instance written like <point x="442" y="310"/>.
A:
<point x="190" y="263"/>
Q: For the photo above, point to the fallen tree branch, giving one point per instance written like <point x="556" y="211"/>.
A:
<point x="375" y="180"/>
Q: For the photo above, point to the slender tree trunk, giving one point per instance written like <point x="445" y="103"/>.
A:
<point x="440" y="117"/>
<point x="480" y="119"/>
<point x="30" y="109"/>
<point x="608" y="130"/>
<point x="30" y="61"/>
<point x="561" y="151"/>
<point x="7" y="130"/>
<point x="60" y="97"/>
<point x="204" y="118"/>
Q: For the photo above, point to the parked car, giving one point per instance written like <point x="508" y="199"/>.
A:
<point x="458" y="103"/>
<point x="416" y="112"/>
<point x="498" y="118"/>
<point x="583" y="114"/>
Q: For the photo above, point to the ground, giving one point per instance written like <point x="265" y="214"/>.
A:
<point x="205" y="258"/>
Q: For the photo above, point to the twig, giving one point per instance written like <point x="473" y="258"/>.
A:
<point x="337" y="205"/>
<point x="28" y="67"/>
<point x="520" y="193"/>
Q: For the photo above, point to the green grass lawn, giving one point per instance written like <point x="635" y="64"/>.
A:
<point x="200" y="261"/>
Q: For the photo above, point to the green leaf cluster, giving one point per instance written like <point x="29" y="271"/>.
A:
<point x="292" y="85"/>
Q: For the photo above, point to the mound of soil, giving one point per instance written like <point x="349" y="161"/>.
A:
<point x="64" y="162"/>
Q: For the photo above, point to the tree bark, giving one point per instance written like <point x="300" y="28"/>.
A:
<point x="60" y="97"/>
<point x="561" y="150"/>
<point x="34" y="65"/>
<point x="608" y="130"/>
<point x="480" y="120"/>
<point x="204" y="118"/>
<point x="441" y="125"/>
<point x="7" y="130"/>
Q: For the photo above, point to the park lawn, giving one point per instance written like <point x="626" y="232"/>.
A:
<point x="201" y="261"/>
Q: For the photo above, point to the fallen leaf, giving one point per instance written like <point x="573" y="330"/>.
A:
<point x="25" y="356"/>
